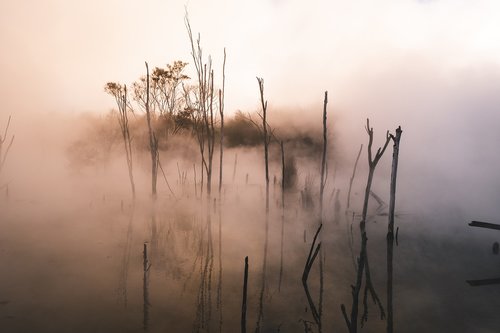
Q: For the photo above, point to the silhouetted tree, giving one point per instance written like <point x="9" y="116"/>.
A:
<point x="390" y="228"/>
<point x="203" y="115"/>
<point x="363" y="265"/>
<point x="119" y="92"/>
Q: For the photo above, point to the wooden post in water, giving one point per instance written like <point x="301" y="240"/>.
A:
<point x="244" y="302"/>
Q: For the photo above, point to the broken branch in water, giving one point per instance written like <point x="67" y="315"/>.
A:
<point x="313" y="253"/>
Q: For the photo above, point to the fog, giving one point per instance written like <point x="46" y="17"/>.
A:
<point x="73" y="236"/>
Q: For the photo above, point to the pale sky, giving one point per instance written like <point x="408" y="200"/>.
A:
<point x="58" y="54"/>
<point x="432" y="67"/>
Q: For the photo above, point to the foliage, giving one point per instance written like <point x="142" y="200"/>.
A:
<point x="239" y="131"/>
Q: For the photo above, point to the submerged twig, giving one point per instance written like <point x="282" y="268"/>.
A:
<point x="313" y="252"/>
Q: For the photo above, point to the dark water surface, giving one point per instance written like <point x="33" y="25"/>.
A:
<point x="80" y="268"/>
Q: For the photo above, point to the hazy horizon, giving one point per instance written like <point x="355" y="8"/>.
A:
<point x="429" y="66"/>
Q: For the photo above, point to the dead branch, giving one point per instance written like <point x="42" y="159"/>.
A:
<point x="313" y="252"/>
<point x="352" y="177"/>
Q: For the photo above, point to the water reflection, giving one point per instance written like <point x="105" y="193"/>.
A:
<point x="71" y="271"/>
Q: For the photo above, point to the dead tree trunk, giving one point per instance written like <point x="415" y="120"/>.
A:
<point x="221" y="113"/>
<point x="363" y="266"/>
<point x="282" y="213"/>
<point x="323" y="160"/>
<point x="390" y="230"/>
<point x="153" y="141"/>
<point x="321" y="194"/>
<point x="244" y="302"/>
<point x="266" y="141"/>
<point x="266" y="138"/>
<point x="211" y="137"/>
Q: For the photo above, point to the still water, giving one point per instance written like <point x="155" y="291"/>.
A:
<point x="81" y="267"/>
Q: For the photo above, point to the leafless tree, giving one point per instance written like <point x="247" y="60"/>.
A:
<point x="221" y="114"/>
<point x="153" y="141"/>
<point x="363" y="265"/>
<point x="266" y="136"/>
<point x="203" y="117"/>
<point x="119" y="92"/>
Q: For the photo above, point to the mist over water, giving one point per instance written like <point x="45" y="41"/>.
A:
<point x="72" y="242"/>
<point x="72" y="239"/>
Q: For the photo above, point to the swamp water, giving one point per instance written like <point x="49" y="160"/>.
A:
<point x="80" y="267"/>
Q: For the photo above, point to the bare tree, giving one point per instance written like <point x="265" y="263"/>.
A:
<point x="119" y="92"/>
<point x="363" y="265"/>
<point x="221" y="113"/>
<point x="153" y="141"/>
<point x="266" y="136"/>
<point x="204" y="117"/>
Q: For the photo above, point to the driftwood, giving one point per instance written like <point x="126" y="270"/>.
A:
<point x="485" y="225"/>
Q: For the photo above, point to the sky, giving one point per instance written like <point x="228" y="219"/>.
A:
<point x="60" y="53"/>
<point x="431" y="66"/>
